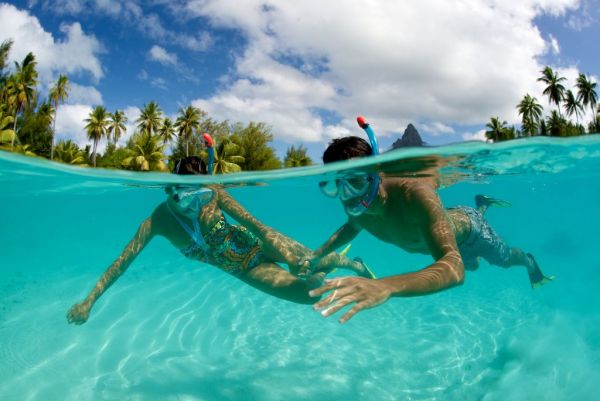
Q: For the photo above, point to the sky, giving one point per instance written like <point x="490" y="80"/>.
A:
<point x="307" y="68"/>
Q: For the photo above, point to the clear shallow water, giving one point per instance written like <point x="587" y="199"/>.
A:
<point x="174" y="329"/>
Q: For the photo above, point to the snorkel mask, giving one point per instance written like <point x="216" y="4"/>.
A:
<point x="363" y="188"/>
<point x="191" y="201"/>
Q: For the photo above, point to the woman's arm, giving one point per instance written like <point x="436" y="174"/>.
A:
<point x="277" y="246"/>
<point x="79" y="313"/>
<point x="238" y="212"/>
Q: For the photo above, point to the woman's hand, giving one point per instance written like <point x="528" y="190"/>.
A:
<point x="79" y="313"/>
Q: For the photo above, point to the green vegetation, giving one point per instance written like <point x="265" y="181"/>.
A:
<point x="28" y="126"/>
<point x="58" y="94"/>
<point x="296" y="157"/>
<point x="533" y="121"/>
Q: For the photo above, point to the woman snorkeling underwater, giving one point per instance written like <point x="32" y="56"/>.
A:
<point x="193" y="221"/>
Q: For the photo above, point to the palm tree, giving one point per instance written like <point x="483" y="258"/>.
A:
<point x="594" y="125"/>
<point x="7" y="134"/>
<point x="556" y="124"/>
<point x="296" y="157"/>
<point x="146" y="154"/>
<point x="227" y="157"/>
<point x="21" y="87"/>
<point x="96" y="127"/>
<point x="586" y="92"/>
<point x="116" y="125"/>
<point x="187" y="122"/>
<point x="150" y="119"/>
<point x="58" y="94"/>
<point x="24" y="150"/>
<point x="555" y="90"/>
<point x="572" y="105"/>
<point x="166" y="133"/>
<point x="496" y="129"/>
<point x="4" y="50"/>
<point x="68" y="152"/>
<point x="531" y="111"/>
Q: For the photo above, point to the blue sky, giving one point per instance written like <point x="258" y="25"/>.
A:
<point x="307" y="69"/>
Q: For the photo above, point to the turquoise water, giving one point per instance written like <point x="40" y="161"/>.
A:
<point x="175" y="329"/>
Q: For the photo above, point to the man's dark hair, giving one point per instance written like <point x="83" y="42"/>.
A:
<point x="191" y="165"/>
<point x="346" y="148"/>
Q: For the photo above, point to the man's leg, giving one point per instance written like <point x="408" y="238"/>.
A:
<point x="493" y="249"/>
<point x="519" y="258"/>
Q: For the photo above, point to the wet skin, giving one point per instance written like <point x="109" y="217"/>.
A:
<point x="268" y="277"/>
<point x="409" y="214"/>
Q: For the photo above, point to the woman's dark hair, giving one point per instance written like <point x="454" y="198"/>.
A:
<point x="346" y="148"/>
<point x="191" y="165"/>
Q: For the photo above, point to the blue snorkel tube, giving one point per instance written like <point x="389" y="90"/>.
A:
<point x="362" y="123"/>
<point x="366" y="201"/>
<point x="211" y="158"/>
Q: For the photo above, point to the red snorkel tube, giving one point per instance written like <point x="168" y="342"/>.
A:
<point x="209" y="143"/>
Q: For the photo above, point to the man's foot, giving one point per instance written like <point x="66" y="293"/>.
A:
<point x="483" y="202"/>
<point x="536" y="277"/>
<point x="366" y="271"/>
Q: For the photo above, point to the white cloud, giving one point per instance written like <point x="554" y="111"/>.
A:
<point x="143" y="75"/>
<point x="162" y="56"/>
<point x="437" y="128"/>
<point x="70" y="122"/>
<point x="76" y="53"/>
<point x="554" y="46"/>
<point x="159" y="83"/>
<point x="395" y="62"/>
<point x="585" y="16"/>
<point x="474" y="136"/>
<point x="85" y="95"/>
<point x="131" y="13"/>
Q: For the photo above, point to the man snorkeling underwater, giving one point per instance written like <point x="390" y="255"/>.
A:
<point x="407" y="212"/>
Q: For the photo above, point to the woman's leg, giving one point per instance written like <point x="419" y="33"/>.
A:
<point x="274" y="280"/>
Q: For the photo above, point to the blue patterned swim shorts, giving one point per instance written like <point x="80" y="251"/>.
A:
<point x="482" y="241"/>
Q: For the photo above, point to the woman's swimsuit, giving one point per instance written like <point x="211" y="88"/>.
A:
<point x="232" y="248"/>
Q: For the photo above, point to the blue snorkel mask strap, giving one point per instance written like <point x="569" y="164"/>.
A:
<point x="366" y="201"/>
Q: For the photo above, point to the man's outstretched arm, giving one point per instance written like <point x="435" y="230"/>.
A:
<point x="341" y="237"/>
<point x="447" y="270"/>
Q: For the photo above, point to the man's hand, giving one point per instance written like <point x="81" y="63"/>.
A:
<point x="363" y="292"/>
<point x="79" y="313"/>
